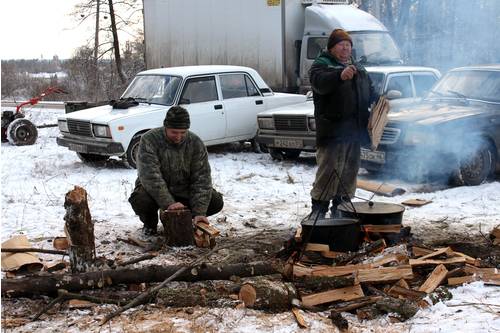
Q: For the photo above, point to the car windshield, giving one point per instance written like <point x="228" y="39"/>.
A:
<point x="472" y="84"/>
<point x="154" y="89"/>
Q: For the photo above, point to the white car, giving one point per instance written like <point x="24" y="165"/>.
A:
<point x="223" y="102"/>
<point x="289" y="130"/>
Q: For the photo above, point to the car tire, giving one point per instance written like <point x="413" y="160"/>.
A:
<point x="92" y="159"/>
<point x="477" y="166"/>
<point x="284" y="154"/>
<point x="22" y="132"/>
<point x="132" y="150"/>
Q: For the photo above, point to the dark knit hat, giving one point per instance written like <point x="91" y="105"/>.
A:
<point x="337" y="36"/>
<point x="177" y="117"/>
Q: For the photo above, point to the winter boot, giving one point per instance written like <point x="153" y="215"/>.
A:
<point x="318" y="209"/>
<point x="336" y="201"/>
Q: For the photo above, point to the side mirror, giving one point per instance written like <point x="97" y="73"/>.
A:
<point x="394" y="94"/>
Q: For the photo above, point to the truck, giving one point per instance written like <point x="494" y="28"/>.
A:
<point x="278" y="38"/>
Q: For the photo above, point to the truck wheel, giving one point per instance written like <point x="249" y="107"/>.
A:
<point x="92" y="158"/>
<point x="133" y="149"/>
<point x="22" y="132"/>
<point x="478" y="166"/>
<point x="284" y="154"/>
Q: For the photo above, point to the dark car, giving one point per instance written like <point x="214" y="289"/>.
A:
<point x="454" y="131"/>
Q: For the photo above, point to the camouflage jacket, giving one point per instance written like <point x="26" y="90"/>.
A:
<point x="182" y="170"/>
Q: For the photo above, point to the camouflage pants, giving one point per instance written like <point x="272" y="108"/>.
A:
<point x="147" y="209"/>
<point x="338" y="165"/>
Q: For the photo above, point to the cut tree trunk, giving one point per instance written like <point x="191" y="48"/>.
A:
<point x="178" y="226"/>
<point x="153" y="273"/>
<point x="80" y="230"/>
<point x="263" y="294"/>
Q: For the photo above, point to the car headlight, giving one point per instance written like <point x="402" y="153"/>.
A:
<point x="265" y="122"/>
<point x="63" y="125"/>
<point x="415" y="137"/>
<point x="312" y="124"/>
<point x="101" y="131"/>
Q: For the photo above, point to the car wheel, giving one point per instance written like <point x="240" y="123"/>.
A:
<point x="133" y="149"/>
<point x="22" y="132"/>
<point x="284" y="154"/>
<point x="92" y="158"/>
<point x="477" y="166"/>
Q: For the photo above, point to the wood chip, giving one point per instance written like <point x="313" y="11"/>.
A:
<point x="299" y="318"/>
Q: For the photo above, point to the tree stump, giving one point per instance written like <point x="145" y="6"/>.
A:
<point x="178" y="227"/>
<point x="80" y="230"/>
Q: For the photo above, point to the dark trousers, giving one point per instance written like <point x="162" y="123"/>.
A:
<point x="147" y="209"/>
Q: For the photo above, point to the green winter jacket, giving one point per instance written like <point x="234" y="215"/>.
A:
<point x="166" y="169"/>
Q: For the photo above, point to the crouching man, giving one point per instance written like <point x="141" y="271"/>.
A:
<point x="173" y="173"/>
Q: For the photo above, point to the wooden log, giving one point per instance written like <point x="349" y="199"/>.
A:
<point x="384" y="274"/>
<point x="380" y="188"/>
<point x="153" y="273"/>
<point x="263" y="294"/>
<point x="405" y="308"/>
<point x="400" y="292"/>
<point x="341" y="294"/>
<point x="434" y="280"/>
<point x="178" y="227"/>
<point x="448" y="261"/>
<point x="355" y="304"/>
<point x="80" y="230"/>
<point x="444" y="250"/>
<point x="208" y="229"/>
<point x="321" y="283"/>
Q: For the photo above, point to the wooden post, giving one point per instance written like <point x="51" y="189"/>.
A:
<point x="178" y="227"/>
<point x="80" y="230"/>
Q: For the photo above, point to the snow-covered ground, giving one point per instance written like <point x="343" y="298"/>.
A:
<point x="258" y="193"/>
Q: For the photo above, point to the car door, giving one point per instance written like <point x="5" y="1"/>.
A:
<point x="200" y="97"/>
<point x="242" y="102"/>
<point x="423" y="82"/>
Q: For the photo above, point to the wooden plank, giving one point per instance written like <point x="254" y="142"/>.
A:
<point x="448" y="261"/>
<point x="444" y="250"/>
<point x="383" y="274"/>
<point x="416" y="202"/>
<point x="380" y="188"/>
<point x="400" y="292"/>
<point x="385" y="228"/>
<point x="315" y="247"/>
<point x="434" y="280"/>
<point x="341" y="294"/>
<point x="420" y="251"/>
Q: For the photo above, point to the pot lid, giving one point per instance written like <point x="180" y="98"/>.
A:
<point x="363" y="207"/>
<point x="329" y="222"/>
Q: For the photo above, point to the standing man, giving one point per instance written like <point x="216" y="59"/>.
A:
<point x="173" y="173"/>
<point x="342" y="93"/>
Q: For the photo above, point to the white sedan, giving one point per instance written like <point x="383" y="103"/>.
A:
<point x="223" y="102"/>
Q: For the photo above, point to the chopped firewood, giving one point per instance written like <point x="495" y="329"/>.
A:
<point x="445" y="250"/>
<point x="355" y="304"/>
<point x="368" y="313"/>
<point x="403" y="307"/>
<point x="341" y="294"/>
<point x="448" y="261"/>
<point x="298" y="235"/>
<point x="372" y="247"/>
<point x="321" y="283"/>
<point x="317" y="247"/>
<point x="475" y="270"/>
<point x="420" y="251"/>
<point x="434" y="280"/>
<point x="383" y="274"/>
<point x="79" y="304"/>
<point x="382" y="228"/>
<point x="332" y="254"/>
<point x="458" y="271"/>
<point x="402" y="283"/>
<point x="264" y="294"/>
<point x="60" y="243"/>
<point x="380" y="188"/>
<point x="299" y="318"/>
<point x="337" y="270"/>
<point x="468" y="259"/>
<point x="495" y="235"/>
<point x="340" y="322"/>
<point x="400" y="292"/>
<point x="491" y="279"/>
<point x="208" y="229"/>
<point x="416" y="202"/>
<point x="389" y="258"/>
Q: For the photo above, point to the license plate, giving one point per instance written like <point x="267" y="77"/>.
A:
<point x="288" y="143"/>
<point x="373" y="156"/>
<point x="78" y="148"/>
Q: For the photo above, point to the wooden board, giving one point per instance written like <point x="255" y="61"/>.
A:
<point x="341" y="294"/>
<point x="380" y="188"/>
<point x="416" y="202"/>
<point x="437" y="276"/>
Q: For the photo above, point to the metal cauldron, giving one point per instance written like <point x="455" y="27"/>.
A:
<point x="340" y="234"/>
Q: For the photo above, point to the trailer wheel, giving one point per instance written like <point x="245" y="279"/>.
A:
<point x="22" y="132"/>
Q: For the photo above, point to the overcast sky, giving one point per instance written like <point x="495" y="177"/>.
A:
<point x="31" y="29"/>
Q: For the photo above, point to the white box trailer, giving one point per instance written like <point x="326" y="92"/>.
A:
<point x="275" y="37"/>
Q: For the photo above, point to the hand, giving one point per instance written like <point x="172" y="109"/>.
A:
<point x="176" y="206"/>
<point x="348" y="73"/>
<point x="200" y="218"/>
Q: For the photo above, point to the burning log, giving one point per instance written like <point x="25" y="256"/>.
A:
<point x="80" y="230"/>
